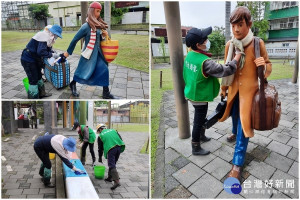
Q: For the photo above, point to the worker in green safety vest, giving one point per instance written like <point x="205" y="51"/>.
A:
<point x="200" y="75"/>
<point x="87" y="138"/>
<point x="111" y="144"/>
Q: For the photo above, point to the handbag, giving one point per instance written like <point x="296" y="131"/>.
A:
<point x="110" y="48"/>
<point x="266" y="107"/>
<point x="216" y="115"/>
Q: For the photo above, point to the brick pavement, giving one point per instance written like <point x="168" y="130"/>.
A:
<point x="125" y="83"/>
<point x="132" y="166"/>
<point x="271" y="155"/>
<point x="25" y="182"/>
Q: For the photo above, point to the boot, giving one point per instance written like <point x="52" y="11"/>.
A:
<point x="115" y="178"/>
<point x="109" y="178"/>
<point x="197" y="150"/>
<point x="33" y="92"/>
<point x="42" y="91"/>
<point x="236" y="172"/>
<point x="47" y="178"/>
<point x="73" y="89"/>
<point x="203" y="138"/>
<point x="106" y="94"/>
<point x="231" y="138"/>
<point x="41" y="172"/>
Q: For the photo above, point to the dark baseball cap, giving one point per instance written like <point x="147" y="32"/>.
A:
<point x="196" y="35"/>
<point x="76" y="124"/>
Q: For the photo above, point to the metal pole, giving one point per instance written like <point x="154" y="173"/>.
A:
<point x="296" y="70"/>
<point x="109" y="114"/>
<point x="173" y="23"/>
<point x="107" y="15"/>
<point x="160" y="83"/>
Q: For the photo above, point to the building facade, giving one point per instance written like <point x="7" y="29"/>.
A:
<point x="283" y="17"/>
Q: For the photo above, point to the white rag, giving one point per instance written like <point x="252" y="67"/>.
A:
<point x="45" y="36"/>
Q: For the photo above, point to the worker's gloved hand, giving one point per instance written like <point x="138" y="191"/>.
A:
<point x="78" y="171"/>
<point x="63" y="58"/>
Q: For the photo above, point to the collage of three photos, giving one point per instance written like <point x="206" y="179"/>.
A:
<point x="149" y="99"/>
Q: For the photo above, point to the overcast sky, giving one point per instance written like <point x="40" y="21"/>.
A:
<point x="198" y="14"/>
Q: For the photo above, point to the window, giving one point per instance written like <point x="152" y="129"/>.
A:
<point x="285" y="4"/>
<point x="293" y="3"/>
<point x="285" y="44"/>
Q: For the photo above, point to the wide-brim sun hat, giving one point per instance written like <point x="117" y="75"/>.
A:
<point x="69" y="144"/>
<point x="100" y="126"/>
<point x="196" y="35"/>
<point x="56" y="30"/>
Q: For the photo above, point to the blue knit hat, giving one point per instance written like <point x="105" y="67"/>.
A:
<point x="69" y="144"/>
<point x="56" y="30"/>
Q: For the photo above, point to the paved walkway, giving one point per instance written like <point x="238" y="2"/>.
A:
<point x="132" y="166"/>
<point x="125" y="83"/>
<point x="20" y="167"/>
<point x="271" y="155"/>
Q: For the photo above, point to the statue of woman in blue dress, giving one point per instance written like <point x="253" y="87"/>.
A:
<point x="92" y="67"/>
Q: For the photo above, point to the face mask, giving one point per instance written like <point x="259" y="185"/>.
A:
<point x="207" y="46"/>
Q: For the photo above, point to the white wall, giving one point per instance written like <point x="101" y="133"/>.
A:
<point x="280" y="50"/>
<point x="133" y="18"/>
<point x="157" y="49"/>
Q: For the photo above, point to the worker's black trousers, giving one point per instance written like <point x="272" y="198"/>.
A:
<point x="84" y="147"/>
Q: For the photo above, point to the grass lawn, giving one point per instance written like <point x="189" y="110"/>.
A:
<point x="133" y="49"/>
<point x="156" y="97"/>
<point x="131" y="127"/>
<point x="279" y="71"/>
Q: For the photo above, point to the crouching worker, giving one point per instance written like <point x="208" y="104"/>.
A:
<point x="200" y="75"/>
<point x="87" y="138"/>
<point x="59" y="145"/>
<point x="111" y="143"/>
<point x="39" y="47"/>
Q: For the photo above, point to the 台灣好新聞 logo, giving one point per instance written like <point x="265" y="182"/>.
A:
<point x="232" y="186"/>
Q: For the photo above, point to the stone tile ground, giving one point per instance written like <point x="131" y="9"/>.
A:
<point x="132" y="166"/>
<point x="271" y="155"/>
<point x="25" y="182"/>
<point x="125" y="83"/>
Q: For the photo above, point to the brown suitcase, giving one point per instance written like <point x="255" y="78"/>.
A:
<point x="266" y="107"/>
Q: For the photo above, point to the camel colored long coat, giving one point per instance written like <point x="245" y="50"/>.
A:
<point x="246" y="84"/>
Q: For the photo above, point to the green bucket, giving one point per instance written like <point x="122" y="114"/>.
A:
<point x="26" y="83"/>
<point x="99" y="172"/>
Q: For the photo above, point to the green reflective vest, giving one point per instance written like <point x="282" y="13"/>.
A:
<point x="110" y="139"/>
<point x="198" y="87"/>
<point x="92" y="134"/>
